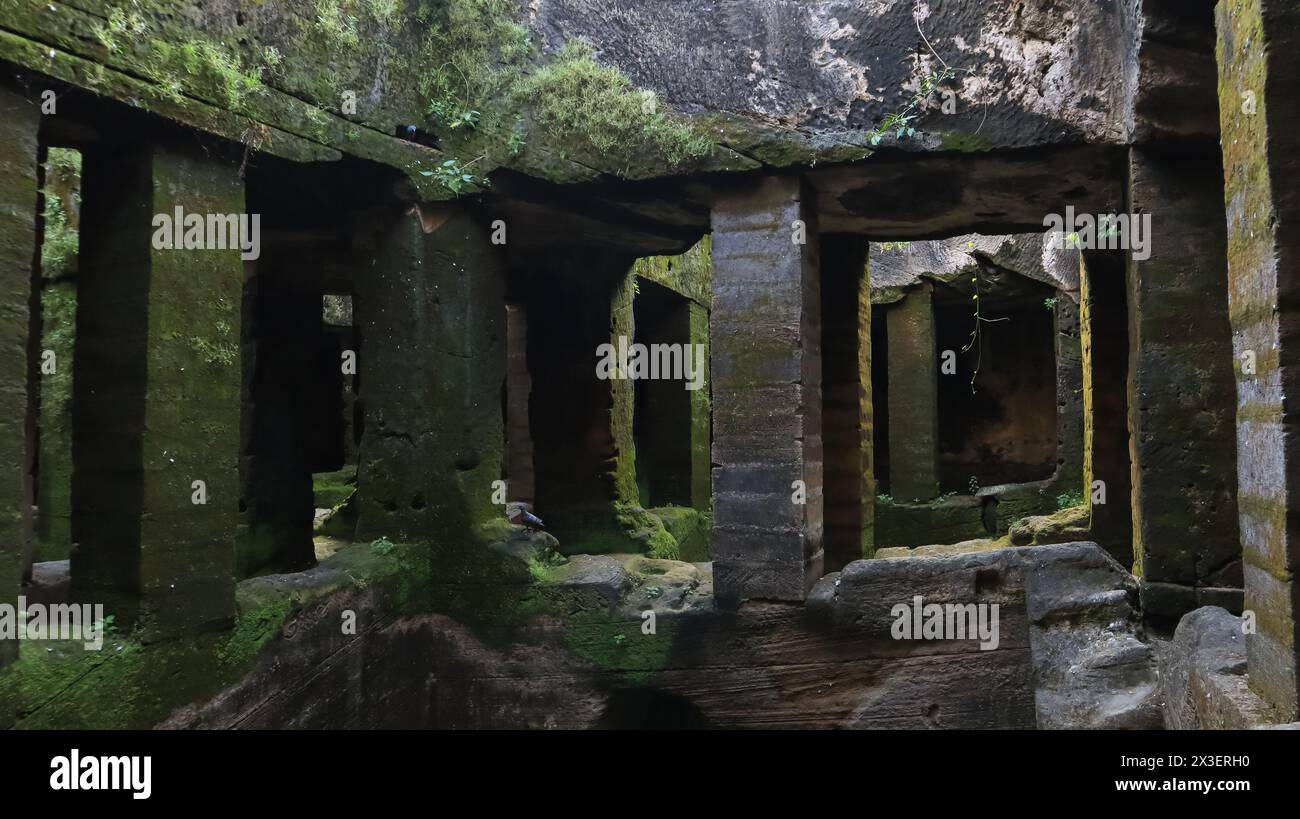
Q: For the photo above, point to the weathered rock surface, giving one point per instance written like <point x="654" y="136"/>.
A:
<point x="1091" y="670"/>
<point x="829" y="663"/>
<point x="832" y="662"/>
<point x="1203" y="674"/>
<point x="522" y="543"/>
<point x="823" y="72"/>
<point x="774" y="82"/>
<point x="602" y="574"/>
<point x="952" y="261"/>
<point x="1259" y="55"/>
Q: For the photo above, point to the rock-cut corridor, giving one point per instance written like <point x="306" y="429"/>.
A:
<point x="618" y="364"/>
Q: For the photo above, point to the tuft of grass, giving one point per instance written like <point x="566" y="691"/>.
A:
<point x="218" y="353"/>
<point x="577" y="98"/>
<point x="1068" y="499"/>
<point x="178" y="68"/>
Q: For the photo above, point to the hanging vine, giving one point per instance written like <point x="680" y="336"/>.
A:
<point x="976" y="335"/>
<point x="900" y="122"/>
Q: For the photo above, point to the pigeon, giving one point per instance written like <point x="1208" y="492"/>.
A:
<point x="521" y="514"/>
<point x="412" y="133"/>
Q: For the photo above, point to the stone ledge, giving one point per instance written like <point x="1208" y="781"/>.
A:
<point x="1090" y="668"/>
<point x="1203" y="675"/>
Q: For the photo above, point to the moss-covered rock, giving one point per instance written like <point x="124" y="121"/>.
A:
<point x="1063" y="526"/>
<point x="646" y="529"/>
<point x="947" y="519"/>
<point x="691" y="528"/>
<point x="332" y="489"/>
<point x="689" y="273"/>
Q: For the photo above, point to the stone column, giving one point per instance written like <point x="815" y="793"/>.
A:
<point x="913" y="397"/>
<point x="1185" y="543"/>
<point x="156" y="401"/>
<point x="1259" y="107"/>
<point x="765" y="340"/>
<point x="622" y="391"/>
<point x="19" y="120"/>
<point x="701" y="415"/>
<point x="846" y="421"/>
<point x="519" y="388"/>
<point x="432" y="321"/>
<point x="1104" y="334"/>
<point x="1069" y="395"/>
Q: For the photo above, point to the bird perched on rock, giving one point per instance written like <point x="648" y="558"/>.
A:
<point x="413" y="133"/>
<point x="521" y="514"/>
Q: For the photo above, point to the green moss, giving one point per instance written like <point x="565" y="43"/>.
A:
<point x="967" y="143"/>
<point x="467" y="70"/>
<point x="335" y="24"/>
<point x="60" y="242"/>
<point x="691" y="528"/>
<point x="949" y="519"/>
<point x="612" y="643"/>
<point x="689" y="273"/>
<point x="117" y="77"/>
<point x="887" y="295"/>
<point x="220" y="348"/>
<point x="217" y="353"/>
<point x="58" y="333"/>
<point x="647" y="529"/>
<point x="663" y="546"/>
<point x="131" y="684"/>
<point x="782" y="147"/>
<point x="322" y="76"/>
<point x="494" y="101"/>
<point x="469" y="61"/>
<point x="1065" y="500"/>
<point x="255" y="548"/>
<point x="48" y="686"/>
<point x="260" y="619"/>
<point x="538" y="570"/>
<point x="585" y="104"/>
<point x="332" y="489"/>
<point x="1063" y="526"/>
<point x="623" y="395"/>
<point x="541" y="567"/>
<point x="477" y="50"/>
<point x="702" y="416"/>
<point x="497" y="530"/>
<point x="177" y="67"/>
